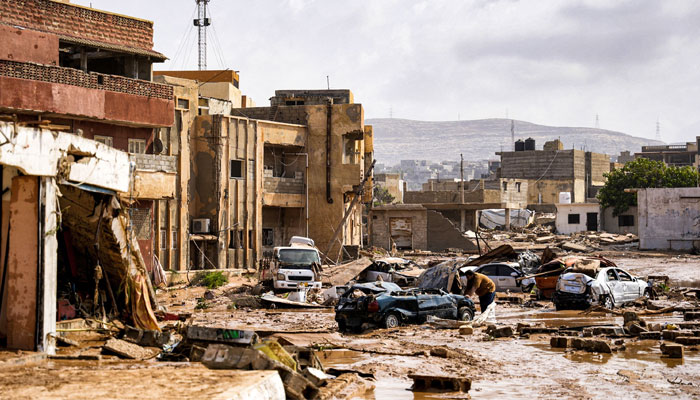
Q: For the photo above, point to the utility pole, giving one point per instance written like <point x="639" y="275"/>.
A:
<point x="201" y="23"/>
<point x="658" y="130"/>
<point x="463" y="213"/>
<point x="512" y="133"/>
<point x="597" y="122"/>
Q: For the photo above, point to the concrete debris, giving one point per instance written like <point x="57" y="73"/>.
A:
<point x="691" y="316"/>
<point x="496" y="332"/>
<point x="220" y="335"/>
<point x="672" y="350"/>
<point x="465" y="330"/>
<point x="296" y="386"/>
<point x="443" y="352"/>
<point x="128" y="350"/>
<point x="440" y="383"/>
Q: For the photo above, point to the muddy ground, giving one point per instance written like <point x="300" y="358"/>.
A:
<point x="513" y="368"/>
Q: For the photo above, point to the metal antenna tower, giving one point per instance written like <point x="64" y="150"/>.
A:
<point x="658" y="130"/>
<point x="597" y="122"/>
<point x="201" y="23"/>
<point x="512" y="133"/>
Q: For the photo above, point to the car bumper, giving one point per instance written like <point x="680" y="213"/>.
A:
<point x="571" y="299"/>
<point x="297" y="285"/>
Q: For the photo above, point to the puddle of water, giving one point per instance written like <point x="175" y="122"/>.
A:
<point x="385" y="387"/>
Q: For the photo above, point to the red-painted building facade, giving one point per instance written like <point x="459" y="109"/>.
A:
<point x="90" y="72"/>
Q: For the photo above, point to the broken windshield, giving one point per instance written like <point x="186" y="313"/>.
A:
<point x="298" y="257"/>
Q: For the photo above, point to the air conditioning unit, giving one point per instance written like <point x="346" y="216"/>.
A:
<point x="200" y="225"/>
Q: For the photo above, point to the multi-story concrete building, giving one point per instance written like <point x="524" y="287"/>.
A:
<point x="335" y="150"/>
<point x="679" y="155"/>
<point x="393" y="184"/>
<point x="88" y="72"/>
<point x="550" y="172"/>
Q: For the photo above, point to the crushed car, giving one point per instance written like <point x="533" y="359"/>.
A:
<point x="392" y="269"/>
<point x="588" y="284"/>
<point x="378" y="304"/>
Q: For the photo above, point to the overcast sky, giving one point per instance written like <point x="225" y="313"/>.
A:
<point x="551" y="62"/>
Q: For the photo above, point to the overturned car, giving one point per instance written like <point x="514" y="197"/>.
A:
<point x="587" y="284"/>
<point x="386" y="305"/>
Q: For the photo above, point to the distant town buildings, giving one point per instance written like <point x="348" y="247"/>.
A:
<point x="680" y="155"/>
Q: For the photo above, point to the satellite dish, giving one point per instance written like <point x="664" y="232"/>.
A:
<point x="157" y="146"/>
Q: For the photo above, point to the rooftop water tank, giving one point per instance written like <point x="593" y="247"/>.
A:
<point x="519" y="145"/>
<point x="529" y="144"/>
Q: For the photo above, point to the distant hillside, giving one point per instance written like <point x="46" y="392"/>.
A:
<point x="402" y="139"/>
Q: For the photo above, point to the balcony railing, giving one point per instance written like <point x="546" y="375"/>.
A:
<point x="90" y="80"/>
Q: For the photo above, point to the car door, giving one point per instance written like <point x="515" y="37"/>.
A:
<point x="506" y="279"/>
<point x="630" y="286"/>
<point x="491" y="271"/>
<point x="616" y="288"/>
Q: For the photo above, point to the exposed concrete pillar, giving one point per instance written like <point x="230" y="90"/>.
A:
<point x="463" y="217"/>
<point x="32" y="274"/>
<point x="22" y="265"/>
<point x="507" y="219"/>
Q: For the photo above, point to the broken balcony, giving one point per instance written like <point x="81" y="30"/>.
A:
<point x="284" y="192"/>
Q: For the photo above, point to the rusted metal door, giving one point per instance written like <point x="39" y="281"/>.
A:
<point x="401" y="232"/>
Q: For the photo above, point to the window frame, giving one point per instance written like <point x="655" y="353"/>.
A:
<point x="136" y="142"/>
<point x="231" y="169"/>
<point x="103" y="139"/>
<point x="574" y="221"/>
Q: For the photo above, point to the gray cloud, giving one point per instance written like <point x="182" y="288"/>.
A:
<point x="546" y="61"/>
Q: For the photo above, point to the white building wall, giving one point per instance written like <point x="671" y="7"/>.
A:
<point x="669" y="218"/>
<point x="582" y="209"/>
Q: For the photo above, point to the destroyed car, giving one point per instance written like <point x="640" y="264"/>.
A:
<point x="582" y="287"/>
<point x="391" y="269"/>
<point x="506" y="276"/>
<point x="362" y="306"/>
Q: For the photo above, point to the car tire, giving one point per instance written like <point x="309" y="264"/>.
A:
<point x="608" y="302"/>
<point x="392" y="321"/>
<point x="466" y="314"/>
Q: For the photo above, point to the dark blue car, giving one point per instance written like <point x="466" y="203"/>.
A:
<point x="379" y="304"/>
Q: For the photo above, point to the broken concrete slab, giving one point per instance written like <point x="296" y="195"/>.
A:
<point x="560" y="342"/>
<point x="672" y="350"/>
<point x="612" y="331"/>
<point x="440" y="383"/>
<point x="220" y="356"/>
<point x="465" y="330"/>
<point x="505" y="331"/>
<point x="591" y="345"/>
<point x="345" y="386"/>
<point x="691" y="316"/>
<point x="443" y="352"/>
<point x="635" y="329"/>
<point x="220" y="335"/>
<point x="128" y="350"/>
<point x="688" y="340"/>
<point x="673" y="334"/>
<point x="653" y="335"/>
<point x="529" y="330"/>
<point x="574" y="247"/>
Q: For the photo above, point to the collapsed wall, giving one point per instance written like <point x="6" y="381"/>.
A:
<point x="443" y="234"/>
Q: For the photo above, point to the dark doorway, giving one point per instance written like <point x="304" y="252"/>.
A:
<point x="592" y="221"/>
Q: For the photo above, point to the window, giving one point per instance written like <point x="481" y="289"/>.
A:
<point x="236" y="170"/>
<point x="624" y="276"/>
<point x="574" y="218"/>
<point x="505" y="186"/>
<point x="517" y="186"/>
<point x="163" y="239"/>
<point x="612" y="276"/>
<point x="625" y="220"/>
<point x="108" y="140"/>
<point x="137" y="146"/>
<point x="250" y="239"/>
<point x="174" y="240"/>
<point x="268" y="237"/>
<point x="489" y="270"/>
<point x="183" y="103"/>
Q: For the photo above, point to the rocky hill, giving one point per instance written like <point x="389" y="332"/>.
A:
<point x="402" y="139"/>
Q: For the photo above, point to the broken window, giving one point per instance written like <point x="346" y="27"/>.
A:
<point x="137" y="146"/>
<point x="625" y="220"/>
<point x="108" y="140"/>
<point x="505" y="186"/>
<point x="183" y="103"/>
<point x="236" y="170"/>
<point x="574" y="218"/>
<point x="517" y="186"/>
<point x="268" y="237"/>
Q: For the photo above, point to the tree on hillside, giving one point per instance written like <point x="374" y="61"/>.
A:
<point x="640" y="174"/>
<point x="382" y="196"/>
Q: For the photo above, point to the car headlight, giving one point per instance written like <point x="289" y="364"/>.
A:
<point x="281" y="277"/>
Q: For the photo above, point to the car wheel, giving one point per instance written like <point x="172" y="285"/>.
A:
<point x="391" y="321"/>
<point x="466" y="314"/>
<point x="608" y="303"/>
<point x="647" y="293"/>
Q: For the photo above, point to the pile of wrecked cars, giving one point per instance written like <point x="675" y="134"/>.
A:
<point x="385" y="304"/>
<point x="592" y="281"/>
